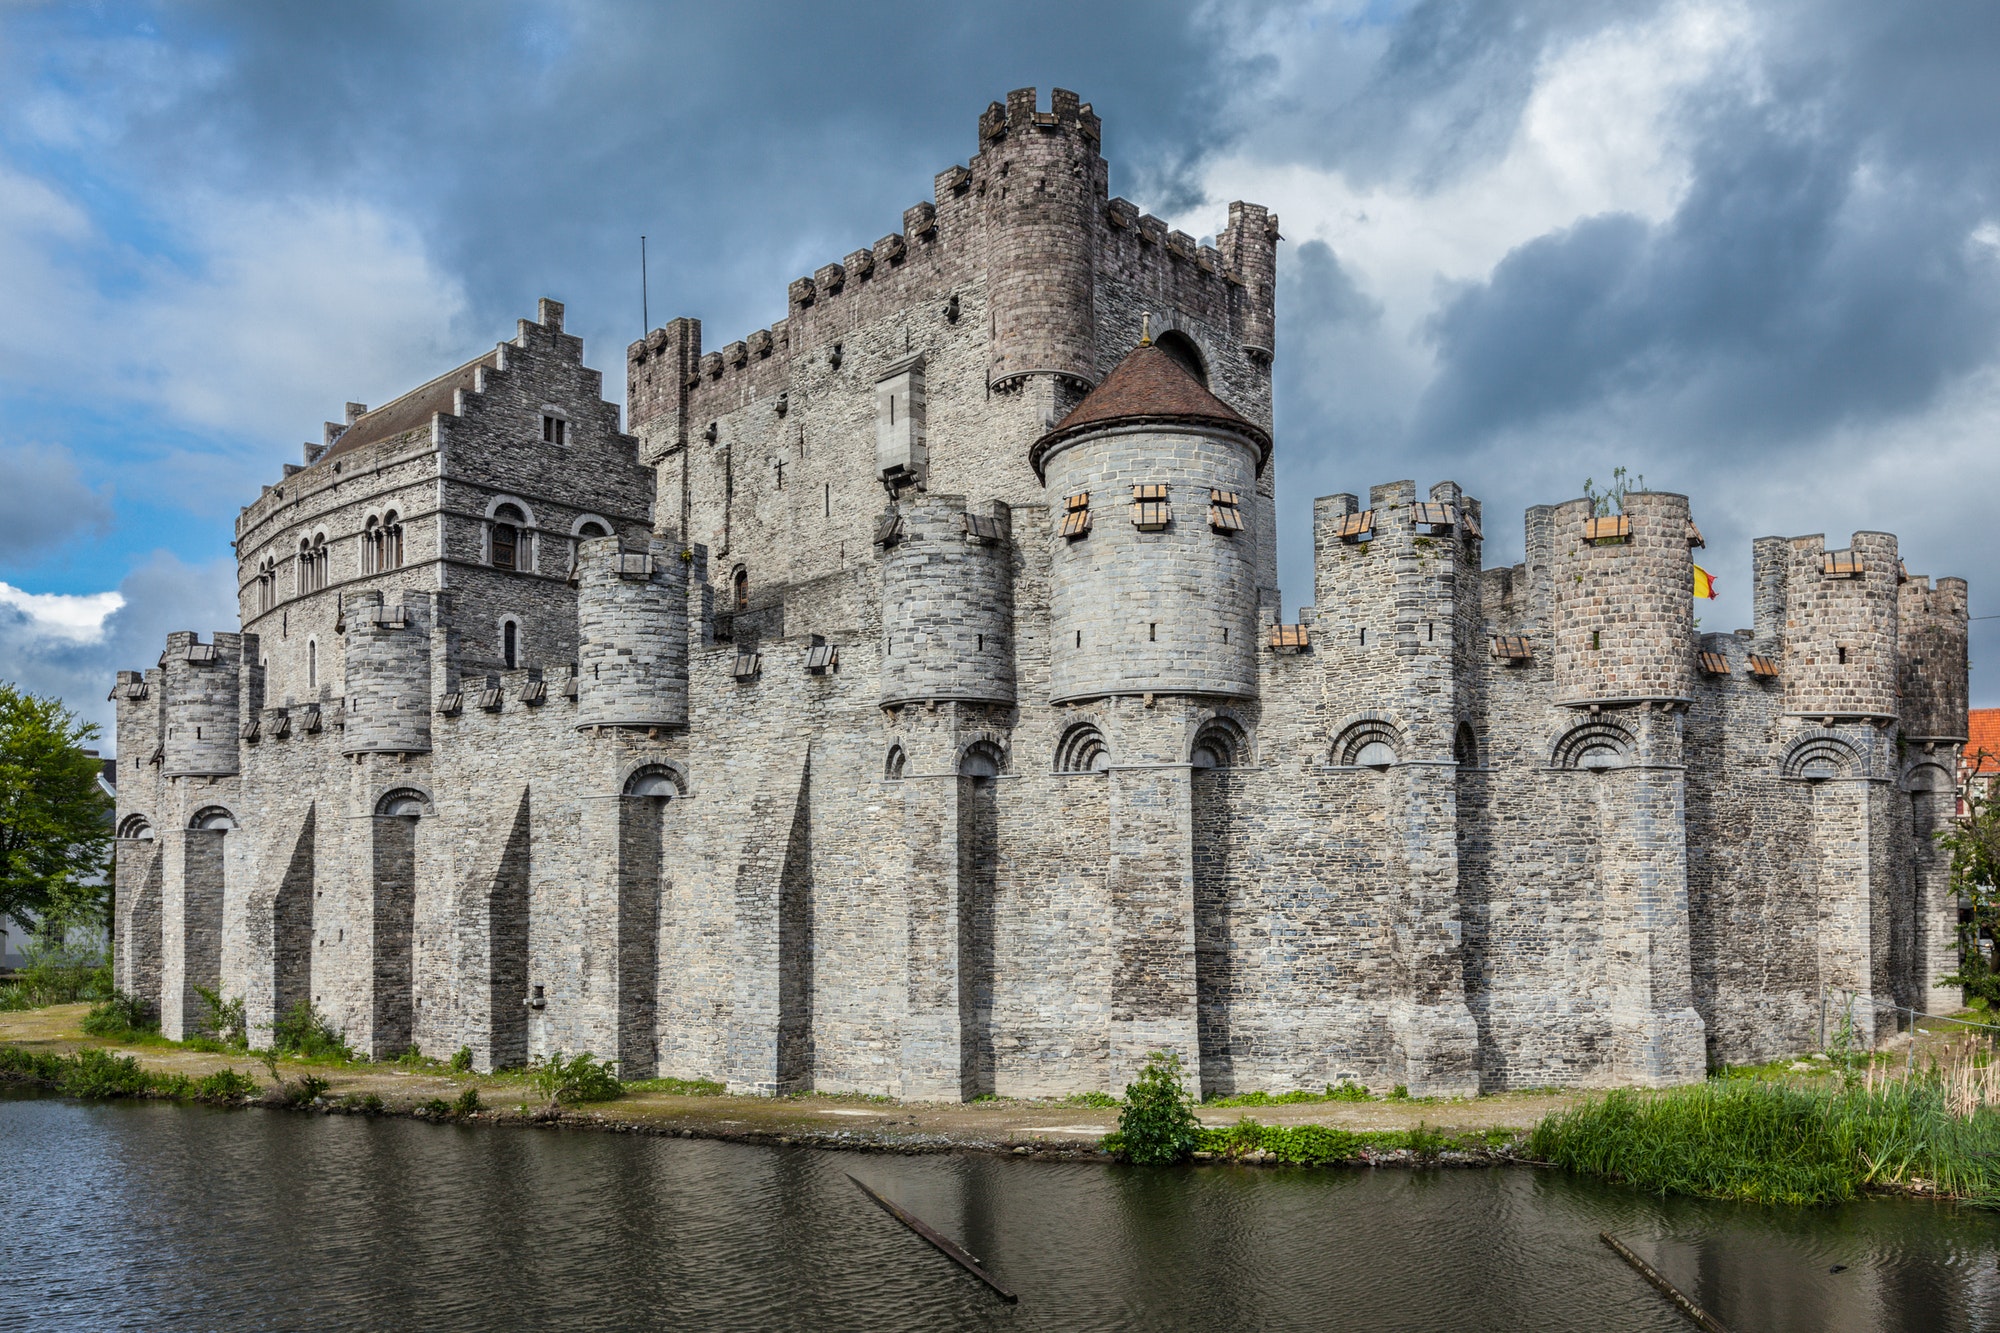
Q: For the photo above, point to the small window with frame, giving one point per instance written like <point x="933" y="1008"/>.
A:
<point x="555" y="429"/>
<point x="1151" y="511"/>
<point x="1076" y="516"/>
<point x="1225" y="511"/>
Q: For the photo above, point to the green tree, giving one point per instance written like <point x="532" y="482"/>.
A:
<point x="1159" y="1125"/>
<point x="1974" y="843"/>
<point x="55" y="827"/>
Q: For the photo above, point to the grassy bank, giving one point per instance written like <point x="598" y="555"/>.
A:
<point x="1770" y="1142"/>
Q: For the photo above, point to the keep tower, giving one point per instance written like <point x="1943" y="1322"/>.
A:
<point x="632" y="658"/>
<point x="1046" y="186"/>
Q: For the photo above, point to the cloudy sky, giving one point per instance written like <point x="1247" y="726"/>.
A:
<point x="1751" y="251"/>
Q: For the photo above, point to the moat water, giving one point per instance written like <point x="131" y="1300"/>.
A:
<point x="151" y="1216"/>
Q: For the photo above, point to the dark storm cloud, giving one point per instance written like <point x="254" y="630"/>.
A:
<point x="1820" y="270"/>
<point x="751" y="142"/>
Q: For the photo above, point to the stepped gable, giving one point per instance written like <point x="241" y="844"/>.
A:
<point x="1149" y="387"/>
<point x="413" y="409"/>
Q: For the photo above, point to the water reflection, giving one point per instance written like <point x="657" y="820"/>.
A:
<point x="174" y="1217"/>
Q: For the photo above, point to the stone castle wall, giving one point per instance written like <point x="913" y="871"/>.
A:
<point x="938" y="801"/>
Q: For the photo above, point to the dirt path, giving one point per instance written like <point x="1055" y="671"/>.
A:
<point x="1038" y="1126"/>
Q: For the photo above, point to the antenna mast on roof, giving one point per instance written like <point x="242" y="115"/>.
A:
<point x="645" y="314"/>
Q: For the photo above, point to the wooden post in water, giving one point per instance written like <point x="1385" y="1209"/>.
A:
<point x="1702" y="1318"/>
<point x="943" y="1244"/>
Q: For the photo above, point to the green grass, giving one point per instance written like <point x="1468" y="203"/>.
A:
<point x="1768" y="1142"/>
<point x="678" y="1087"/>
<point x="1322" y="1145"/>
<point x="1342" y="1092"/>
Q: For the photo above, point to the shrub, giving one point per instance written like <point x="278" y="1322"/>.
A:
<point x="1425" y="1143"/>
<point x="461" y="1060"/>
<point x="436" y="1106"/>
<point x="95" y="1073"/>
<point x="1096" y="1100"/>
<point x="121" y="1015"/>
<point x="225" y="1019"/>
<point x="467" y="1103"/>
<point x="225" y="1085"/>
<point x="1158" y="1123"/>
<point x="304" y="1092"/>
<point x="579" y="1078"/>
<point x="305" y="1031"/>
<point x="365" y="1102"/>
<point x="678" y="1087"/>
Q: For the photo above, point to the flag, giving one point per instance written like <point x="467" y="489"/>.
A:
<point x="1704" y="583"/>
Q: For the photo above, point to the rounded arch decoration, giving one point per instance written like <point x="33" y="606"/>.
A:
<point x="1220" y="742"/>
<point x="895" y="764"/>
<point x="1372" y="740"/>
<point x="657" y="779"/>
<point x="1928" y="777"/>
<point x="136" y="828"/>
<point x="1819" y="757"/>
<point x="214" y="818"/>
<point x="984" y="757"/>
<point x="1083" y="749"/>
<point x="1596" y="746"/>
<point x="404" y="803"/>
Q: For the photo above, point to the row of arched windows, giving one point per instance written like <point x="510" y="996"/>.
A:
<point x="382" y="543"/>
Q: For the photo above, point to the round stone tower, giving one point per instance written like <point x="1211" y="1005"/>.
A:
<point x="1840" y="627"/>
<point x="1153" y="586"/>
<point x="947" y="603"/>
<point x="199" y="693"/>
<point x="1624" y="601"/>
<point x="1046" y="187"/>
<point x="387" y="677"/>
<point x="632" y="655"/>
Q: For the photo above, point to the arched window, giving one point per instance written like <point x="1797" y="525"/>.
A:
<point x="312" y="666"/>
<point x="371" y="545"/>
<point x="392" y="541"/>
<point x="507" y="552"/>
<point x="1219" y="744"/>
<point x="403" y="803"/>
<point x="1595" y="747"/>
<point x="591" y="528"/>
<point x="267" y="585"/>
<point x="742" y="586"/>
<point x="1184" y="350"/>
<point x="213" y="817"/>
<point x="1082" y="750"/>
<point x="982" y="761"/>
<point x="1465" y="746"/>
<point x="657" y="781"/>
<point x="304" y="581"/>
<point x="895" y="765"/>
<point x="1368" y="743"/>
<point x="510" y="643"/>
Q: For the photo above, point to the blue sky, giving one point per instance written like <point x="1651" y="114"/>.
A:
<point x="1751" y="251"/>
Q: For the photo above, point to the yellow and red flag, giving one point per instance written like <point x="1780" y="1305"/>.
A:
<point x="1704" y="583"/>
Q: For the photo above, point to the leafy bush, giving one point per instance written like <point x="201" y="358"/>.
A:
<point x="1158" y="1124"/>
<point x="225" y="1020"/>
<point x="579" y="1078"/>
<point x="225" y="1085"/>
<point x="121" y="1016"/>
<point x="57" y="973"/>
<point x="461" y="1060"/>
<point x="1095" y="1100"/>
<point x="304" y="1031"/>
<point x="367" y="1103"/>
<point x="1341" y="1092"/>
<point x="95" y="1073"/>
<point x="436" y="1106"/>
<point x="1426" y="1143"/>
<point x="304" y="1092"/>
<point x="467" y="1103"/>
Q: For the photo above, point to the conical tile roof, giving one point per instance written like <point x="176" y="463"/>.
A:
<point x="1150" y="387"/>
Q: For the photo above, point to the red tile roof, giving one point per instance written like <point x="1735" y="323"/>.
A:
<point x="1983" y="734"/>
<point x="1150" y="386"/>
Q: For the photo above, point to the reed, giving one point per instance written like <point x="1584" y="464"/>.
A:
<point x="1934" y="1129"/>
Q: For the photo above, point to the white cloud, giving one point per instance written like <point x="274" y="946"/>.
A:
<point x="63" y="617"/>
<point x="1597" y="135"/>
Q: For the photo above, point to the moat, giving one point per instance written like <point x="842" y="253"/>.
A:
<point x="125" y="1215"/>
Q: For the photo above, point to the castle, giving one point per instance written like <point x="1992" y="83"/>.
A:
<point x="902" y="703"/>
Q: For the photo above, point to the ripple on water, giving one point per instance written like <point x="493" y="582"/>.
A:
<point x="155" y="1216"/>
